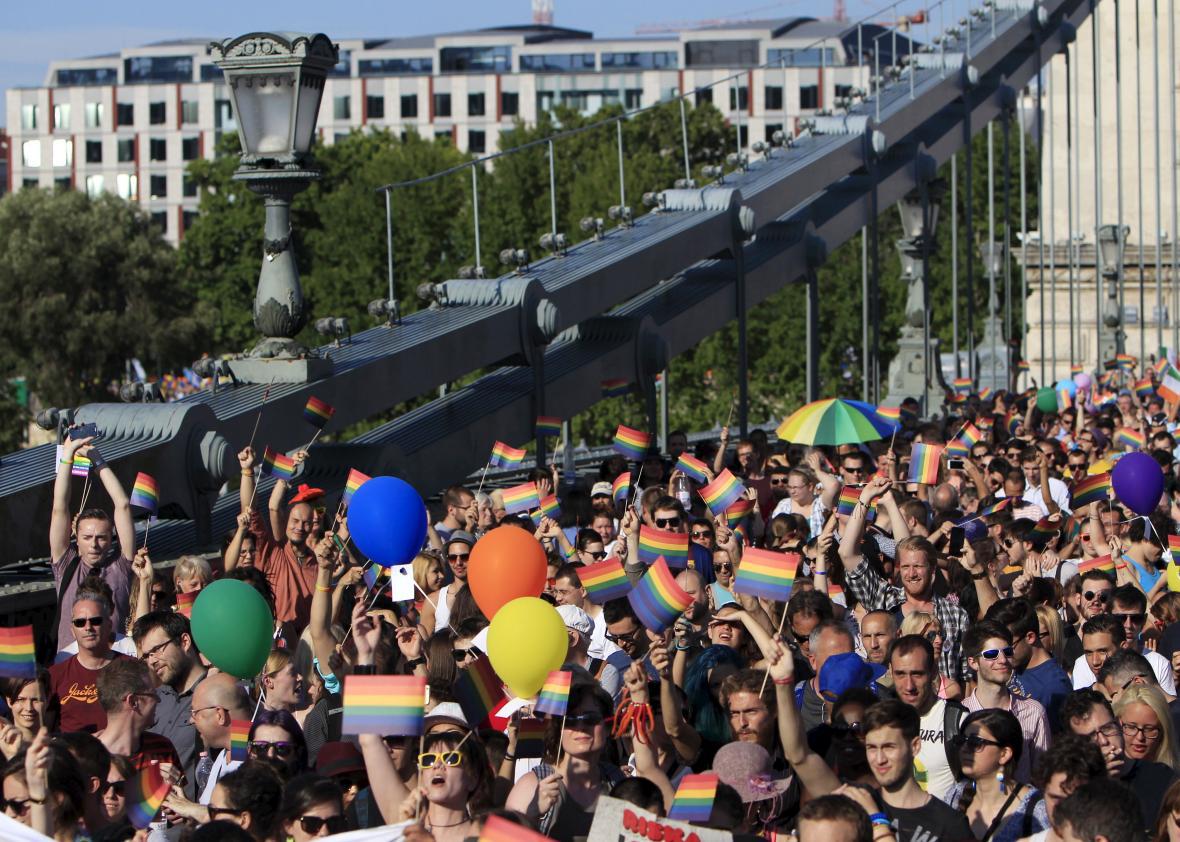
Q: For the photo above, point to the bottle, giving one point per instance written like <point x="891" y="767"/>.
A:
<point x="682" y="491"/>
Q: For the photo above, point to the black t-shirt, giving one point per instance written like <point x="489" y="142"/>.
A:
<point x="1073" y="647"/>
<point x="1169" y="641"/>
<point x="1150" y="781"/>
<point x="933" y="822"/>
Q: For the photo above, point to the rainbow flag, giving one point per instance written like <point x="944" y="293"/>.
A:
<point x="1012" y="422"/>
<point x="145" y="493"/>
<point x="766" y="574"/>
<point x="985" y="393"/>
<point x="389" y="705"/>
<point x="924" y="460"/>
<point x="958" y="447"/>
<point x="1022" y="366"/>
<point x="721" y="493"/>
<point x="998" y="506"/>
<point x="555" y="694"/>
<point x="849" y="497"/>
<point x="985" y="422"/>
<point x="654" y="543"/>
<point x="184" y="603"/>
<point x="145" y="794"/>
<point x="550" y="507"/>
<point x="621" y="487"/>
<point x="277" y="465"/>
<point x="693" y="468"/>
<point x="1042" y="532"/>
<point x="355" y="480"/>
<point x="631" y="444"/>
<point x="479" y="691"/>
<point x="604" y="581"/>
<point x="1090" y="489"/>
<point x="1131" y="438"/>
<point x="970" y="435"/>
<point x="1144" y="388"/>
<point x="834" y="591"/>
<point x="496" y="829"/>
<point x="506" y="456"/>
<point x="317" y="413"/>
<point x="521" y="498"/>
<point x="962" y="385"/>
<point x="239" y="739"/>
<point x="1064" y="400"/>
<point x="657" y="600"/>
<point x="738" y="512"/>
<point x="1104" y="563"/>
<point x="548" y="427"/>
<point x="615" y="388"/>
<point x="18" y="656"/>
<point x="1174" y="548"/>
<point x="81" y="466"/>
<point x="957" y="397"/>
<point x="1161" y="365"/>
<point x="1076" y="368"/>
<point x="530" y="737"/>
<point x="693" y="801"/>
<point x="373" y="573"/>
<point x="1125" y="361"/>
<point x="890" y="413"/>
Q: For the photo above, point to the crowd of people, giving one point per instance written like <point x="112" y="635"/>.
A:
<point x="970" y="658"/>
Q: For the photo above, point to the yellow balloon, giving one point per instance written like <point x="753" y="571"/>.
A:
<point x="526" y="641"/>
<point x="1173" y="577"/>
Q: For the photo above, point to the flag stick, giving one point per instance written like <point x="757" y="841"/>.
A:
<point x="146" y="530"/>
<point x="258" y="418"/>
<point x="766" y="674"/>
<point x="425" y="597"/>
<point x="560" y="737"/>
<point x="482" y="476"/>
<point x="313" y="438"/>
<point x="85" y="491"/>
<point x="254" y="493"/>
<point x="732" y="402"/>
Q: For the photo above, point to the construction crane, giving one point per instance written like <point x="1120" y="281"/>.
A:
<point x="543" y="12"/>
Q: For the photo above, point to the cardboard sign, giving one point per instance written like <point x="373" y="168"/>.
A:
<point x="620" y="821"/>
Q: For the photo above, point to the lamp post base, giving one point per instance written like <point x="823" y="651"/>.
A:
<point x="907" y="373"/>
<point x="277" y="370"/>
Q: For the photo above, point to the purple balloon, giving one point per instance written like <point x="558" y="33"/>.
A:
<point x="1138" y="482"/>
<point x="1082" y="380"/>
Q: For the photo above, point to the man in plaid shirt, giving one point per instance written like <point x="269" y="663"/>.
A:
<point x="916" y="559"/>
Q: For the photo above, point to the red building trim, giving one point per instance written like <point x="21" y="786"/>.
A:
<point x="364" y="102"/>
<point x="179" y="223"/>
<point x="819" y="90"/>
<point x="750" y="93"/>
<point x="73" y="161"/>
<point x="52" y="123"/>
<point x="430" y="99"/>
<point x="179" y="109"/>
<point x="6" y="147"/>
<point x="114" y="107"/>
<point x="499" y="112"/>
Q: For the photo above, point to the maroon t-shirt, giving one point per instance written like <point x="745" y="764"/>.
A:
<point x="153" y="746"/>
<point x="75" y="694"/>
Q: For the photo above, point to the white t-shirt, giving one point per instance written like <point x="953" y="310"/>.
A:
<point x="1083" y="676"/>
<point x="932" y="754"/>
<point x="123" y="644"/>
<point x="222" y="766"/>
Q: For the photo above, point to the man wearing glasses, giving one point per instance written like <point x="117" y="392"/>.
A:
<point x="74" y="681"/>
<point x="854" y="468"/>
<point x="127" y="692"/>
<point x="568" y="590"/>
<point x="1092" y="598"/>
<point x="217" y="701"/>
<point x="1130" y="610"/>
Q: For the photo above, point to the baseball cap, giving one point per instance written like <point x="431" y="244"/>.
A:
<point x="601" y="489"/>
<point x="577" y="619"/>
<point x="339" y="758"/>
<point x="845" y="671"/>
<point x="445" y="713"/>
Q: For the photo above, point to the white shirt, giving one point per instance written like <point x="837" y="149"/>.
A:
<point x="221" y="766"/>
<point x="939" y="778"/>
<point x="1058" y="490"/>
<point x="1083" y="676"/>
<point x="442" y="617"/>
<point x="123" y="644"/>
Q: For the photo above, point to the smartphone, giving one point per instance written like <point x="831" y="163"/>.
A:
<point x="958" y="535"/>
<point x="85" y="431"/>
<point x="955" y="464"/>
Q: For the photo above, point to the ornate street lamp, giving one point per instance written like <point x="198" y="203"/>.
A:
<point x="993" y="364"/>
<point x="276" y="82"/>
<point x="1112" y="245"/>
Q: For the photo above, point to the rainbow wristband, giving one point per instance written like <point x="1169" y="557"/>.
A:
<point x="881" y="819"/>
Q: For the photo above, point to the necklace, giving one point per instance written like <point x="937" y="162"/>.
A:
<point x="464" y="820"/>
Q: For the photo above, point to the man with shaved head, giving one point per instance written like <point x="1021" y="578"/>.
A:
<point x="217" y="701"/>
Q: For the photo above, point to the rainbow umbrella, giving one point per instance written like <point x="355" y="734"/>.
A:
<point x="835" y="421"/>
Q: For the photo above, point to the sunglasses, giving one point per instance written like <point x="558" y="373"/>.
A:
<point x="844" y="729"/>
<point x="83" y="622"/>
<point x="623" y="638"/>
<point x="1101" y="596"/>
<point x="723" y="565"/>
<point x="20" y="806"/>
<point x="667" y="522"/>
<point x="859" y="469"/>
<point x="215" y="812"/>
<point x="314" y="824"/>
<point x="597" y="556"/>
<point x="280" y="749"/>
<point x="992" y="654"/>
<point x="457" y="556"/>
<point x="778" y="482"/>
<point x="115" y="788"/>
<point x="973" y="743"/>
<point x="701" y="534"/>
<point x="446" y="758"/>
<point x="588" y="719"/>
<point x="461" y="655"/>
<point x="1135" y="618"/>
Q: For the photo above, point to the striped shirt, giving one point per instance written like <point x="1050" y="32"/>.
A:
<point x="1034" y="724"/>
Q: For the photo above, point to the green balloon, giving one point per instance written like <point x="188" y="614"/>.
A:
<point x="233" y="627"/>
<point x="1046" y="400"/>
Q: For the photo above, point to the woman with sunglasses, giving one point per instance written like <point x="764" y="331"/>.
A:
<point x="249" y="797"/>
<point x="276" y="736"/>
<point x="1148" y="734"/>
<point x="114" y="796"/>
<point x="312" y="808"/>
<point x="43" y="788"/>
<point x="990" y="743"/>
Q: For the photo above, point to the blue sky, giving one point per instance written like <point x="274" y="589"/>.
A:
<point x="33" y="34"/>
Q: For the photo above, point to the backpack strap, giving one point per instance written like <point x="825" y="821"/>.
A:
<point x="952" y="715"/>
<point x="67" y="576"/>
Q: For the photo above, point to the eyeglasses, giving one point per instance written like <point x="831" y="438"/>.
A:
<point x="156" y="650"/>
<point x="932" y="635"/>
<point x="843" y="729"/>
<point x="598" y="555"/>
<point x="700" y="534"/>
<point x="115" y="788"/>
<point x="667" y="522"/>
<point x="626" y="637"/>
<point x="859" y="469"/>
<point x="716" y="623"/>
<point x="1149" y="732"/>
<point x="1101" y="596"/>
<point x="461" y="655"/>
<point x="446" y="758"/>
<point x="778" y="481"/>
<point x="1138" y="618"/>
<point x="20" y="806"/>
<point x="83" y="622"/>
<point x="1009" y="542"/>
<point x="314" y="824"/>
<point x="281" y="749"/>
<point x="973" y="742"/>
<point x="1111" y="731"/>
<point x="457" y="556"/>
<point x="195" y="711"/>
<point x="214" y="812"/>
<point x="992" y="654"/>
<point x="588" y="719"/>
<point x="723" y="565"/>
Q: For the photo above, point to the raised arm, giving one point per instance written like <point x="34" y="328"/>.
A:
<point x="830" y="482"/>
<point x="60" y="519"/>
<point x="1046" y="495"/>
<point x="646" y="765"/>
<point x="233" y="552"/>
<point x="814" y="773"/>
<point x="685" y="740"/>
<point x="120" y="503"/>
<point x="145" y="574"/>
<point x="246" y="484"/>
<point x="719" y="459"/>
<point x="388" y="787"/>
<point x="323" y="644"/>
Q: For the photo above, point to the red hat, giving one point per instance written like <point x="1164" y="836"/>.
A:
<point x="305" y="494"/>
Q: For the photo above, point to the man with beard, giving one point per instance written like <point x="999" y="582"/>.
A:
<point x="127" y="692"/>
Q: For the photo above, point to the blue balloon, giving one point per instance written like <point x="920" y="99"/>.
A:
<point x="1068" y="385"/>
<point x="1138" y="482"/>
<point x="387" y="520"/>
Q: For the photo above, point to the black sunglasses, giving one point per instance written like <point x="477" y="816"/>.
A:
<point x="973" y="742"/>
<point x="588" y="719"/>
<point x="461" y="655"/>
<point x="1101" y="596"/>
<point x="702" y="533"/>
<point x="116" y="788"/>
<point x="597" y="556"/>
<point x="83" y="622"/>
<point x="20" y="806"/>
<point x="457" y="556"/>
<point x="215" y="812"/>
<point x="1135" y="618"/>
<point x="314" y="824"/>
<point x="667" y="522"/>
<point x="281" y="750"/>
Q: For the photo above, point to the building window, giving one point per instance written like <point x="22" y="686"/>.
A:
<point x="126" y="150"/>
<point x="94" y="186"/>
<point x="188" y="187"/>
<point x="94" y="151"/>
<point x="409" y="106"/>
<point x="342" y="108"/>
<point x="160" y="220"/>
<point x="158" y="69"/>
<point x="157" y="113"/>
<point x="30" y="183"/>
<point x="633" y="98"/>
<point x="395" y="66"/>
<point x="94" y="113"/>
<point x="721" y="53"/>
<point x="375" y="107"/>
<point x="63" y="182"/>
<point x="125" y="114"/>
<point x="739" y="98"/>
<point x="477" y="141"/>
<point x="190" y="148"/>
<point x="771" y="128"/>
<point x="223" y="116"/>
<point x="446" y="135"/>
<point x="63" y="152"/>
<point x="639" y="61"/>
<point x="442" y="105"/>
<point x="806" y="57"/>
<point x="30" y="153"/>
<point x="704" y="95"/>
<point x="476" y="59"/>
<point x="71" y="76"/>
<point x="809" y="96"/>
<point x="29" y="117"/>
<point x="843" y="91"/>
<point x="190" y="111"/>
<point x="772" y="97"/>
<point x="61" y="116"/>
<point x="475" y="105"/>
<point x="509" y="103"/>
<point x="187" y="218"/>
<point x="158" y="187"/>
<point x="157" y="149"/>
<point x="343" y="65"/>
<point x="127" y="186"/>
<point x="558" y="62"/>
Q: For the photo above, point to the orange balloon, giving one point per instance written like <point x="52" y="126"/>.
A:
<point x="505" y="564"/>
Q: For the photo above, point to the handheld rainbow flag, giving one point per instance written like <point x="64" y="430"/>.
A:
<point x="81" y="466"/>
<point x="1076" y="368"/>
<point x="496" y="829"/>
<point x="1130" y="438"/>
<point x="355" y="480"/>
<point x="985" y="393"/>
<point x="1012" y="422"/>
<point x="548" y="427"/>
<point x="767" y="574"/>
<point x="1064" y="399"/>
<point x="693" y="801"/>
<point x="924" y="463"/>
<point x="1042" y="532"/>
<point x="958" y="447"/>
<point x="1174" y="548"/>
<point x="479" y="691"/>
<point x="738" y="512"/>
<point x="1022" y="366"/>
<point x="721" y="493"/>
<point x="373" y="574"/>
<point x="654" y="543"/>
<point x="184" y="603"/>
<point x="506" y="456"/>
<point x="239" y="740"/>
<point x="1125" y="361"/>
<point x="615" y="388"/>
<point x="631" y="444"/>
<point x="1090" y="489"/>
<point x="277" y="465"/>
<point x="317" y="412"/>
<point x="1144" y="388"/>
<point x="693" y="468"/>
<point x="18" y="656"/>
<point x="604" y="581"/>
<point x="970" y="435"/>
<point x="530" y="737"/>
<point x="834" y="591"/>
<point x="521" y="498"/>
<point x="145" y="493"/>
<point x="985" y="422"/>
<point x="621" y="487"/>
<point x="550" y="507"/>
<point x="554" y="698"/>
<point x="1104" y="563"/>
<point x="890" y="413"/>
<point x="1161" y="365"/>
<point x="998" y="506"/>
<point x="962" y="385"/>
<point x="389" y="705"/>
<point x="145" y="794"/>
<point x="846" y="504"/>
<point x="657" y="600"/>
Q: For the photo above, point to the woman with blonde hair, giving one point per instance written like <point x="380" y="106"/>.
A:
<point x="282" y="685"/>
<point x="1147" y="725"/>
<point x="429" y="575"/>
<point x="925" y="624"/>
<point x="1051" y="632"/>
<point x="191" y="573"/>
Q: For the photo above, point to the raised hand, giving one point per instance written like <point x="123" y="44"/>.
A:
<point x="246" y="458"/>
<point x="141" y="565"/>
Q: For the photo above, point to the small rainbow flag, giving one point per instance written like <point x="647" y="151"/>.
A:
<point x="1131" y="438"/>
<point x="738" y="512"/>
<point x="621" y="487"/>
<point x="985" y="422"/>
<point x="1012" y="422"/>
<point x="615" y="388"/>
<point x="693" y="801"/>
<point x="1144" y="387"/>
<point x="721" y="493"/>
<point x="1104" y="563"/>
<point x="497" y="829"/>
<point x="389" y="705"/>
<point x="277" y="465"/>
<point x="317" y="412"/>
<point x="630" y="443"/>
<point x="834" y="591"/>
<point x="604" y="581"/>
<point x="654" y="543"/>
<point x="355" y="480"/>
<point x="550" y="507"/>
<point x="1174" y="548"/>
<point x="548" y="426"/>
<point x="18" y="656"/>
<point x="985" y="393"/>
<point x="1076" y="368"/>
<point x="530" y="737"/>
<point x="739" y="535"/>
<point x="1125" y="361"/>
<point x="849" y="497"/>
<point x="521" y="498"/>
<point x="184" y="603"/>
<point x="890" y="413"/>
<point x="555" y="694"/>
<point x="239" y="739"/>
<point x="924" y="463"/>
<point x="145" y="794"/>
<point x="373" y="573"/>
<point x="1090" y="489"/>
<point x="81" y="466"/>
<point x="657" y="600"/>
<point x="1161" y="365"/>
<point x="145" y="493"/>
<point x="506" y="456"/>
<point x="693" y="468"/>
<point x="767" y="574"/>
<point x="478" y="690"/>
<point x="1042" y="532"/>
<point x="1022" y="366"/>
<point x="958" y="447"/>
<point x="962" y="385"/>
<point x="957" y="397"/>
<point x="1064" y="400"/>
<point x="970" y="435"/>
